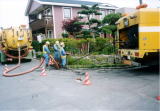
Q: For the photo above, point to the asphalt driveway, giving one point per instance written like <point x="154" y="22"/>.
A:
<point x="111" y="89"/>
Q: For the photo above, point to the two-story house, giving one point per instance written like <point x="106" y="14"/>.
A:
<point x="46" y="16"/>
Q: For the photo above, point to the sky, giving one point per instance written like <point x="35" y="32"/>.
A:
<point x="12" y="11"/>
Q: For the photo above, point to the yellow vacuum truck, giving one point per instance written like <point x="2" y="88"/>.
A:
<point x="139" y="37"/>
<point x="13" y="39"/>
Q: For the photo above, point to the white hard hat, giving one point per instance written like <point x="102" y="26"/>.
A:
<point x="57" y="42"/>
<point x="62" y="44"/>
<point x="48" y="42"/>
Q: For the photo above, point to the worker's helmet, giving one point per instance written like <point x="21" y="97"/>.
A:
<point x="48" y="42"/>
<point x="57" y="42"/>
<point x="62" y="44"/>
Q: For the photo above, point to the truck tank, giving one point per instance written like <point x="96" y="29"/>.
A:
<point x="13" y="38"/>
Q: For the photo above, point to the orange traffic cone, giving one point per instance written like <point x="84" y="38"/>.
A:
<point x="158" y="98"/>
<point x="86" y="81"/>
<point x="43" y="73"/>
<point x="50" y="62"/>
<point x="6" y="68"/>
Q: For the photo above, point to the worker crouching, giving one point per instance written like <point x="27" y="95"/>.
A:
<point x="46" y="53"/>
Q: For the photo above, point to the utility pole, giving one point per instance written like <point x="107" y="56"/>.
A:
<point x="140" y="1"/>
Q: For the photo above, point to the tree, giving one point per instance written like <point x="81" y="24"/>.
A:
<point x="72" y="26"/>
<point x="110" y="20"/>
<point x="91" y="23"/>
<point x="110" y="27"/>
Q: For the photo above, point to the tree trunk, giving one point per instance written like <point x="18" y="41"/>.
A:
<point x="88" y="47"/>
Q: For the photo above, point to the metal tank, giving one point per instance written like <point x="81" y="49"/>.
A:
<point x="11" y="39"/>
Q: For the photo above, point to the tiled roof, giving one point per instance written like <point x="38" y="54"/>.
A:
<point x="71" y="2"/>
<point x="68" y="2"/>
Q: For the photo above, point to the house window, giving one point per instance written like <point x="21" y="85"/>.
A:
<point x="50" y="33"/>
<point x="48" y="12"/>
<point x="67" y="13"/>
<point x="39" y="16"/>
<point x="103" y="14"/>
<point x="110" y="11"/>
<point x="46" y="21"/>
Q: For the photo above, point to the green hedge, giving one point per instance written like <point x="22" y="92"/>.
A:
<point x="37" y="46"/>
<point x="81" y="46"/>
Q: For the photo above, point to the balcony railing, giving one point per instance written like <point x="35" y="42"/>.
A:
<point x="45" y="22"/>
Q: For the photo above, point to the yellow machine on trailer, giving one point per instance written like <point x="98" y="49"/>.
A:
<point x="13" y="38"/>
<point x="139" y="37"/>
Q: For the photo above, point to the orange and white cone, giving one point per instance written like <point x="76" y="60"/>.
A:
<point x="158" y="98"/>
<point x="43" y="73"/>
<point x="86" y="81"/>
<point x="6" y="68"/>
<point x="50" y="62"/>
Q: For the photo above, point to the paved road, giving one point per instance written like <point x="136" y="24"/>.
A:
<point x="111" y="90"/>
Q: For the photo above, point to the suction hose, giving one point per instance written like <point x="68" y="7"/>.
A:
<point x="22" y="73"/>
<point x="5" y="73"/>
<point x="18" y="65"/>
<point x="56" y="65"/>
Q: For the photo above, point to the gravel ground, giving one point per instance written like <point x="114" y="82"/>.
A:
<point x="111" y="90"/>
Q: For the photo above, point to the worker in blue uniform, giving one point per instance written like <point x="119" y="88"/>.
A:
<point x="46" y="53"/>
<point x="63" y="55"/>
<point x="56" y="48"/>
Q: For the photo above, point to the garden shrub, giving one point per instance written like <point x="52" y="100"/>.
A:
<point x="65" y="35"/>
<point x="85" y="46"/>
<point x="36" y="46"/>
